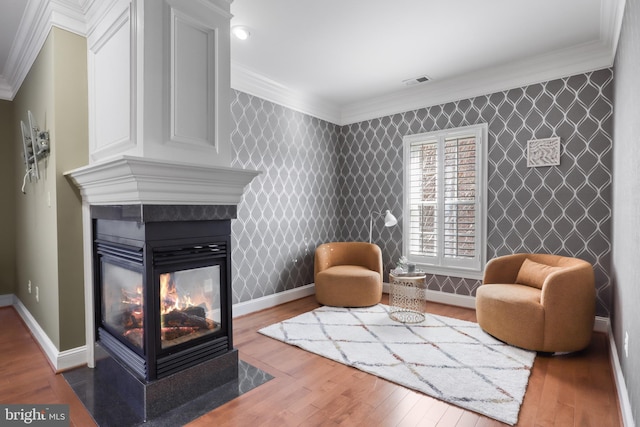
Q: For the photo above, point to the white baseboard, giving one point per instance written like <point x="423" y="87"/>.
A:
<point x="7" y="300"/>
<point x="59" y="360"/>
<point x="602" y="325"/>
<point x="621" y="385"/>
<point x="247" y="307"/>
<point x="444" y="298"/>
<point x="451" y="299"/>
<point x="72" y="358"/>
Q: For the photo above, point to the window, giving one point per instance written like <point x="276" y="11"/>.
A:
<point x="444" y="200"/>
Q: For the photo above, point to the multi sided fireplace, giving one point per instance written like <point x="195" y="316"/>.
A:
<point x="158" y="194"/>
<point x="163" y="300"/>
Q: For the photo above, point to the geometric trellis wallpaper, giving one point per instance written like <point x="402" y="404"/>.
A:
<point x="321" y="181"/>
<point x="562" y="209"/>
<point x="289" y="209"/>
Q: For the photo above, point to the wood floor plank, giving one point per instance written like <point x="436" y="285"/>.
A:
<point x="308" y="390"/>
<point x="548" y="403"/>
<point x="436" y="412"/>
<point x="489" y="422"/>
<point x="418" y="412"/>
<point x="451" y="416"/>
<point x="468" y="419"/>
<point x="387" y="405"/>
<point x="25" y="375"/>
<point x="567" y="386"/>
<point x="531" y="401"/>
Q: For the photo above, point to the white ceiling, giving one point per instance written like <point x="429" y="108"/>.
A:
<point x="346" y="60"/>
<point x="339" y="57"/>
<point x="345" y="51"/>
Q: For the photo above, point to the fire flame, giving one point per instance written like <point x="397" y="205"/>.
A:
<point x="169" y="298"/>
<point x="139" y="294"/>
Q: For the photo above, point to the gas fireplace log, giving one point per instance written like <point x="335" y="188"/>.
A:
<point x="171" y="334"/>
<point x="195" y="310"/>
<point x="131" y="297"/>
<point x="132" y="318"/>
<point x="180" y="318"/>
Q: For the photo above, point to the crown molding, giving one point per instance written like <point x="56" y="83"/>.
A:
<point x="612" y="13"/>
<point x="562" y="63"/>
<point x="39" y="16"/>
<point x="5" y="89"/>
<point x="250" y="82"/>
<point x="558" y="64"/>
<point x="221" y="7"/>
<point x="68" y="15"/>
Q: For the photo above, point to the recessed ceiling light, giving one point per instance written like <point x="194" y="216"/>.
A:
<point x="240" y="32"/>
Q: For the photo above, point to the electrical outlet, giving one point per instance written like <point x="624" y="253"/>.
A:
<point x="37" y="295"/>
<point x="29" y="286"/>
<point x="626" y="344"/>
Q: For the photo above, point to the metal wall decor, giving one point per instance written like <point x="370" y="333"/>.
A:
<point x="35" y="145"/>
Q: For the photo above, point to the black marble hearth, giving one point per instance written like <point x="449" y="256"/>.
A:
<point x="109" y="408"/>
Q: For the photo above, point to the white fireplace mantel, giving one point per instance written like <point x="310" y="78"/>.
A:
<point x="129" y="180"/>
<point x="137" y="180"/>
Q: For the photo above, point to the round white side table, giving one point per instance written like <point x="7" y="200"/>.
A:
<point x="407" y="297"/>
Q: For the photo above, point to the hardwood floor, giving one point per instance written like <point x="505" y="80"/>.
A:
<point x="308" y="390"/>
<point x="25" y="374"/>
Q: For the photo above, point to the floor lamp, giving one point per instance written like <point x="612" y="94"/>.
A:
<point x="389" y="220"/>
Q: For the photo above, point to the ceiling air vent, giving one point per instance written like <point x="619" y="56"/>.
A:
<point x="415" y="80"/>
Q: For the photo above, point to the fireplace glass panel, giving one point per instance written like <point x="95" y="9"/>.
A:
<point x="189" y="304"/>
<point x="123" y="302"/>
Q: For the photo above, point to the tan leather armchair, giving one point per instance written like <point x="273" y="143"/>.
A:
<point x="348" y="274"/>
<point x="538" y="302"/>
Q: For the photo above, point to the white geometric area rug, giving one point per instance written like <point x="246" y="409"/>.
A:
<point x="449" y="359"/>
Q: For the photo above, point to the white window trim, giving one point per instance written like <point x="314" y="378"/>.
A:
<point x="481" y="132"/>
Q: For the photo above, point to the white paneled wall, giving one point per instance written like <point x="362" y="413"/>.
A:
<point x="159" y="81"/>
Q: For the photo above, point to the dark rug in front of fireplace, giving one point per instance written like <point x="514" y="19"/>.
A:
<point x="108" y="409"/>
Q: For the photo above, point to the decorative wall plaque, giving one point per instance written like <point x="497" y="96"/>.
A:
<point x="543" y="152"/>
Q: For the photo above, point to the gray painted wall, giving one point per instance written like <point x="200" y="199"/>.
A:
<point x="320" y="182"/>
<point x="626" y="202"/>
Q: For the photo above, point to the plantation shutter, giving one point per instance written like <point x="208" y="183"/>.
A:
<point x="423" y="179"/>
<point x="459" y="198"/>
<point x="442" y="199"/>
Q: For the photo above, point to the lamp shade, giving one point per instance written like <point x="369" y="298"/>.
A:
<point x="389" y="219"/>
